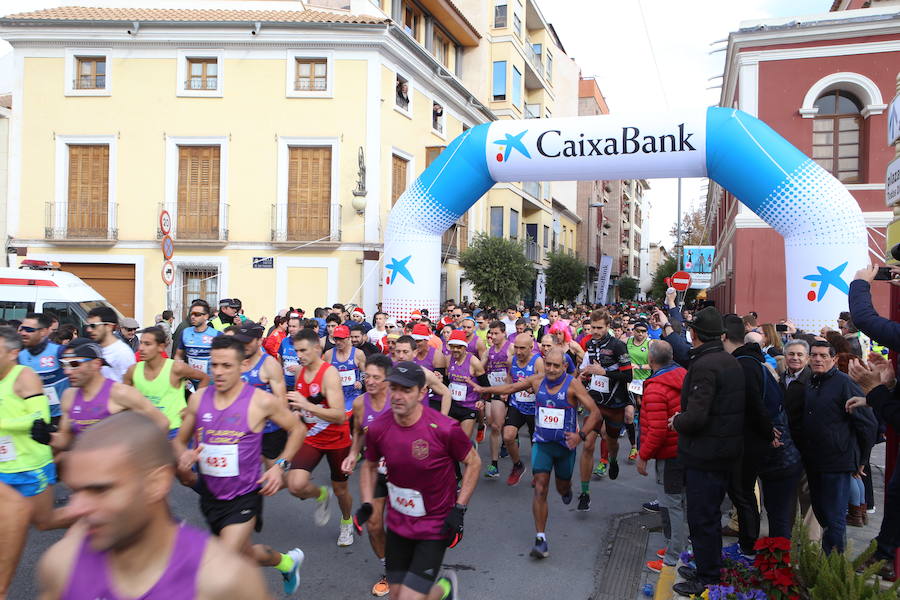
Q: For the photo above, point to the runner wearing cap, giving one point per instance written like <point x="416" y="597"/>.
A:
<point x="557" y="399"/>
<point x="463" y="370"/>
<point x="226" y="420"/>
<point x="320" y="399"/>
<point x="639" y="351"/>
<point x="499" y="356"/>
<point x="196" y="340"/>
<point x="439" y="399"/>
<point x="91" y="397"/>
<point x="358" y="317"/>
<point x="349" y="363"/>
<point x="366" y="408"/>
<point x="161" y="380"/>
<point x="426" y="513"/>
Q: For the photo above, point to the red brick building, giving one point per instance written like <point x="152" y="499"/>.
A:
<point x="823" y="82"/>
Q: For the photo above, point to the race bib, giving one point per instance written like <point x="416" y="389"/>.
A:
<point x="52" y="396"/>
<point x="382" y="466"/>
<point x="7" y="449"/>
<point x="526" y="397"/>
<point x="348" y="378"/>
<point x="219" y="460"/>
<point x="197" y="363"/>
<point x="636" y="386"/>
<point x="310" y="418"/>
<point x="288" y="365"/>
<point x="497" y="378"/>
<point x="551" y="418"/>
<point x="458" y="391"/>
<point x="600" y="383"/>
<point x="406" y="501"/>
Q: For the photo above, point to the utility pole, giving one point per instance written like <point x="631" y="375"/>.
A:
<point x="678" y="251"/>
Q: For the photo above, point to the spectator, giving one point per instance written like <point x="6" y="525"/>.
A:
<point x="127" y="332"/>
<point x="772" y="344"/>
<point x="358" y="339"/>
<point x="186" y="322"/>
<point x="851" y="333"/>
<point x="710" y="440"/>
<point x="165" y="322"/>
<point x="662" y="400"/>
<point x="272" y="343"/>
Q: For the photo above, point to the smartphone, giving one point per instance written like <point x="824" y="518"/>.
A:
<point x="884" y="274"/>
<point x="781" y="327"/>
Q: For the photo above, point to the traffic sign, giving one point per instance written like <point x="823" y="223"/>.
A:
<point x="892" y="183"/>
<point x="168" y="247"/>
<point x="893" y="133"/>
<point x="681" y="281"/>
<point x="165" y="222"/>
<point x="168" y="273"/>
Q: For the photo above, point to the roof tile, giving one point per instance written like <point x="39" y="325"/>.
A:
<point x="95" y="14"/>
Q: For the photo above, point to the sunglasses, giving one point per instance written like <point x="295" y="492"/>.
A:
<point x="27" y="329"/>
<point x="93" y="325"/>
<point x="193" y="314"/>
<point x="73" y="363"/>
<point x="129" y="328"/>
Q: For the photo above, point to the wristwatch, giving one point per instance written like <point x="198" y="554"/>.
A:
<point x="284" y="464"/>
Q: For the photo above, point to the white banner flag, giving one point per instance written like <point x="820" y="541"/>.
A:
<point x="603" y="278"/>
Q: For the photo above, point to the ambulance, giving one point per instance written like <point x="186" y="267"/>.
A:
<point x="39" y="286"/>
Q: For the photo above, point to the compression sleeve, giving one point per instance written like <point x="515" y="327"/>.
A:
<point x="37" y="407"/>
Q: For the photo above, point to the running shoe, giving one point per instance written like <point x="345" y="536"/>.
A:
<point x="541" y="549"/>
<point x="449" y="576"/>
<point x="567" y="497"/>
<point x="381" y="587"/>
<point x="652" y="506"/>
<point x="292" y="579"/>
<point x="632" y="456"/>
<point x="492" y="472"/>
<point x="655" y="565"/>
<point x="503" y="451"/>
<point x="600" y="469"/>
<point x="516" y="474"/>
<point x="661" y="553"/>
<point x="323" y="510"/>
<point x="480" y="437"/>
<point x="584" y="502"/>
<point x="613" y="469"/>
<point x="346" y="536"/>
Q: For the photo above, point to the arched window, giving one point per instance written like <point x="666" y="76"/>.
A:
<point x="837" y="128"/>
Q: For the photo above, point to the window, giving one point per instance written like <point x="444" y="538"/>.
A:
<point x="500" y="9"/>
<point x="309" y="192"/>
<point x="15" y="310"/>
<point x="517" y="25"/>
<point x="546" y="236"/>
<point x="198" y="192"/>
<point x="496" y="221"/>
<point x="203" y="74"/>
<point x="836" y="135"/>
<point x="431" y="154"/>
<point x="513" y="224"/>
<point x="88" y="196"/>
<point x="200" y="283"/>
<point x="441" y="48"/>
<point x="412" y="19"/>
<point x="398" y="178"/>
<point x="516" y="87"/>
<point x="402" y="99"/>
<point x="500" y="80"/>
<point x="311" y="74"/>
<point x="91" y="73"/>
<point x="437" y="117"/>
<point x="549" y="66"/>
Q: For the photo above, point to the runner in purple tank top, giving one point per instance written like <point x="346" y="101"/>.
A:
<point x="120" y="472"/>
<point x="463" y="371"/>
<point x="92" y="397"/>
<point x="367" y="408"/>
<point x="499" y="355"/>
<point x="425" y="512"/>
<point x="429" y="358"/>
<point x="474" y="343"/>
<point x="404" y="350"/>
<point x="226" y="421"/>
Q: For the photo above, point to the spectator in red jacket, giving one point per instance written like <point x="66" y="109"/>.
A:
<point x="273" y="341"/>
<point x="662" y="400"/>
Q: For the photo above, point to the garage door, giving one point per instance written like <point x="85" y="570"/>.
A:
<point x="113" y="282"/>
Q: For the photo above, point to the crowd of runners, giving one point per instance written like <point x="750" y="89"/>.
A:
<point x="238" y="410"/>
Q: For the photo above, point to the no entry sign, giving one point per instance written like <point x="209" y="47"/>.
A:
<point x="681" y="281"/>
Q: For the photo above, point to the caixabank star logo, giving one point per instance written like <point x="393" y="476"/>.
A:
<point x="509" y="143"/>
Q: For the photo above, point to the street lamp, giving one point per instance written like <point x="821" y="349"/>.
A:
<point x="587" y="262"/>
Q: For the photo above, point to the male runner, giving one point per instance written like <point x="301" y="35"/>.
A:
<point x="13" y="531"/>
<point x="557" y="398"/>
<point x="379" y="330"/>
<point x="463" y="370"/>
<point x="226" y="421"/>
<point x="196" y="341"/>
<point x="26" y="466"/>
<point x="102" y="322"/>
<point x="91" y="397"/>
<point x="349" y="363"/>
<point x="366" y="408"/>
<point x="521" y="404"/>
<point x="498" y="362"/>
<point x="426" y="355"/>
<point x="439" y="399"/>
<point x="482" y="323"/>
<point x="475" y="345"/>
<point x="419" y="447"/>
<point x="161" y="380"/>
<point x="607" y="366"/>
<point x="287" y="355"/>
<point x="332" y="322"/>
<point x="320" y="399"/>
<point x="42" y="356"/>
<point x="638" y="351"/>
<point x="127" y="544"/>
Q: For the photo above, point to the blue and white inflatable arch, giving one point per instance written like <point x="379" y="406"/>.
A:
<point x="822" y="225"/>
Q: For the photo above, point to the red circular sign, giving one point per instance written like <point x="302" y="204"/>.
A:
<point x="168" y="247"/>
<point x="681" y="281"/>
<point x="165" y="222"/>
<point x="168" y="272"/>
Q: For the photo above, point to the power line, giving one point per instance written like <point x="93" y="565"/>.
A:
<point x="662" y="87"/>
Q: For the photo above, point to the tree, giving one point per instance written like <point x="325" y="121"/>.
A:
<point x="628" y="287"/>
<point x="693" y="228"/>
<point x="658" y="288"/>
<point x="565" y="276"/>
<point x="497" y="269"/>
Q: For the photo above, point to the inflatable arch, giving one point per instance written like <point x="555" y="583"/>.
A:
<point x="822" y="225"/>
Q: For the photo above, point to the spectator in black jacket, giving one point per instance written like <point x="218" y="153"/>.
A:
<point x="710" y="430"/>
<point x="834" y="444"/>
<point x="796" y="363"/>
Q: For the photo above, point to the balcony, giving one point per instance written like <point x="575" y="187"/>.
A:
<point x="197" y="224"/>
<point x="454" y="241"/>
<point x="298" y="223"/>
<point x="96" y="223"/>
<point x="532" y="188"/>
<point x="532" y="250"/>
<point x="532" y="111"/>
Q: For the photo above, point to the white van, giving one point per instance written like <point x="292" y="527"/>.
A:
<point x="39" y="286"/>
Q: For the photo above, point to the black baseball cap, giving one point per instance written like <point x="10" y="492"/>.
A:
<point x="248" y="331"/>
<point x="230" y="302"/>
<point x="408" y="374"/>
<point x="84" y="348"/>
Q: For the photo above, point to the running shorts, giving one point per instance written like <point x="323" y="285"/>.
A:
<point x="31" y="483"/>
<point x="273" y="443"/>
<point x="308" y="457"/>
<point x="614" y="419"/>
<point x="413" y="563"/>
<point x="550" y="456"/>
<point x="514" y="418"/>
<point x="461" y="413"/>
<point x="219" y="514"/>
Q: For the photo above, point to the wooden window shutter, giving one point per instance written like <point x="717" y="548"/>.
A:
<point x="88" y="206"/>
<point x="398" y="178"/>
<point x="309" y="192"/>
<point x="198" y="192"/>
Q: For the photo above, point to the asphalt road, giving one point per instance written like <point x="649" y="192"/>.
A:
<point x="492" y="561"/>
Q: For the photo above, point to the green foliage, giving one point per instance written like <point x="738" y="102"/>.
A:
<point x="497" y="269"/>
<point x="565" y="276"/>
<point x="628" y="287"/>
<point x="665" y="269"/>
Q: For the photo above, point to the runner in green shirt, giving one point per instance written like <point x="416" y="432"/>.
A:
<point x="638" y="349"/>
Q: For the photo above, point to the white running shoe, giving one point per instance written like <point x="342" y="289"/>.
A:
<point x="323" y="510"/>
<point x="346" y="536"/>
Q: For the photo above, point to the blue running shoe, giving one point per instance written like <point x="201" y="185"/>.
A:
<point x="541" y="549"/>
<point x="292" y="579"/>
